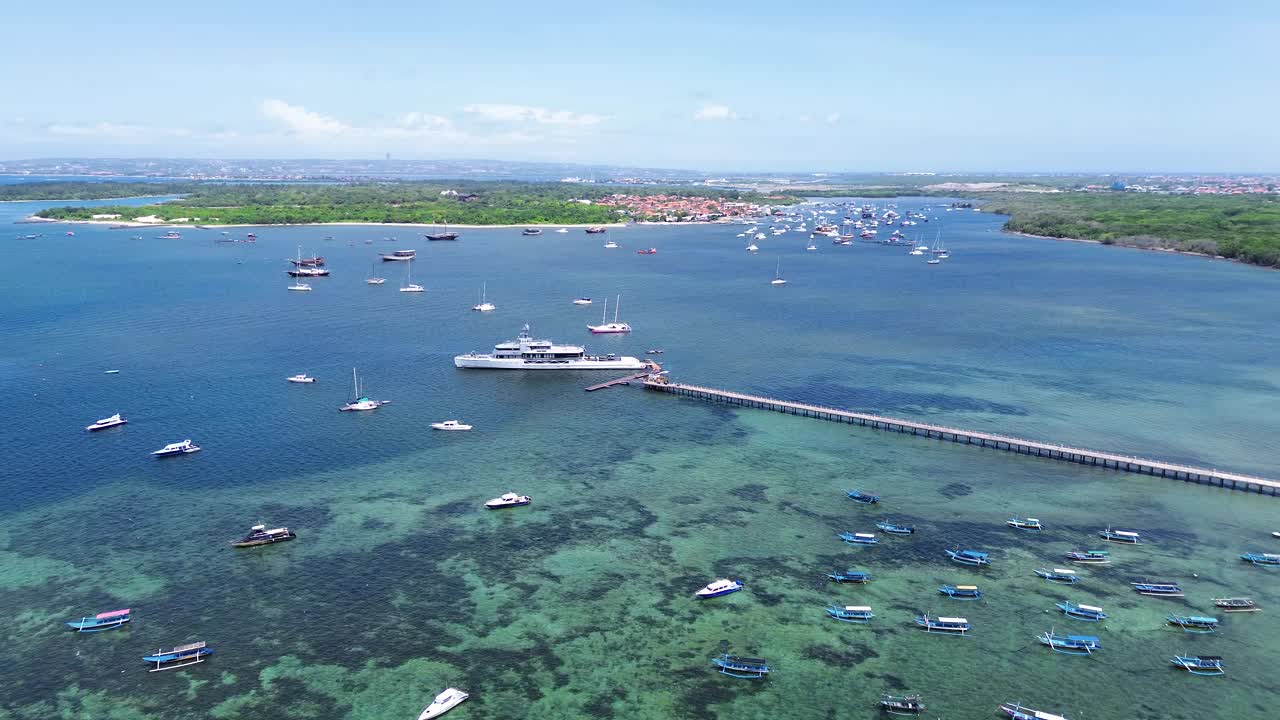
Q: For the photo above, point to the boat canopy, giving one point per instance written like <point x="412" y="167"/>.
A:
<point x="966" y="587"/>
<point x="952" y="621"/>
<point x="191" y="646"/>
<point x="1089" y="607"/>
<point x="857" y="608"/>
<point x="112" y="614"/>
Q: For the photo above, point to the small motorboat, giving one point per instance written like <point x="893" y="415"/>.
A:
<point x="1200" y="664"/>
<point x="582" y="301"/>
<point x="185" y="447"/>
<point x="961" y="592"/>
<point x="723" y="586"/>
<point x="753" y="248"/>
<point x="596" y="229"/>
<point x="851" y="613"/>
<point x="531" y="231"/>
<point x="865" y="498"/>
<point x="260" y="535"/>
<point x="101" y="621"/>
<point x="859" y="538"/>
<point x="300" y="378"/>
<point x="110" y="372"/>
<point x="1082" y="612"/>
<point x="107" y="422"/>
<point x="851" y="576"/>
<point x="300" y="287"/>
<point x="1024" y="523"/>
<point x="895" y="529"/>
<point x="611" y="245"/>
<point x="508" y="500"/>
<point x="1059" y="575"/>
<point x="563" y="230"/>
<point x="741" y="667"/>
<point x="443" y="703"/>
<point x="654" y="351"/>
<point x="1236" y="605"/>
<point x="180" y="656"/>
<point x="969" y="557"/>
<point x="902" y="705"/>
<point x="453" y="425"/>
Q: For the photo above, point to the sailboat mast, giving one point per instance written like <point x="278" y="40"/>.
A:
<point x="604" y="314"/>
<point x="616" y="304"/>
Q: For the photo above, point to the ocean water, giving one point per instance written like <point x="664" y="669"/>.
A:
<point x="580" y="605"/>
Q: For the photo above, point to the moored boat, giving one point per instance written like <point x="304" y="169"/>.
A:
<point x="449" y="698"/>
<point x="961" y="592"/>
<point x="1198" y="624"/>
<point x="451" y="426"/>
<point x="400" y="256"/>
<point x="859" y="538"/>
<point x="1070" y="644"/>
<point x="1236" y="604"/>
<point x="1261" y="558"/>
<point x="902" y="705"/>
<point x="943" y="625"/>
<point x="1024" y="523"/>
<point x="101" y="621"/>
<point x="508" y="500"/>
<point x="260" y="535"/>
<point x="851" y="613"/>
<point x="1089" y="557"/>
<point x="582" y="301"/>
<point x="180" y="656"/>
<point x="107" y="422"/>
<point x="306" y="271"/>
<point x="741" y="667"/>
<point x="1157" y="588"/>
<point x="610" y="328"/>
<point x="969" y="557"/>
<point x="596" y="229"/>
<point x="300" y="378"/>
<point x="531" y="231"/>
<point x="1059" y="575"/>
<point x="1017" y="711"/>
<point x="1082" y="612"/>
<point x="179" y="448"/>
<point x="1125" y="537"/>
<point x="723" y="586"/>
<point x="528" y="353"/>
<point x="1208" y="665"/>
<point x="865" y="498"/>
<point x="851" y="576"/>
<point x="895" y="529"/>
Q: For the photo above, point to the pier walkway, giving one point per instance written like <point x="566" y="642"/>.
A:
<point x="1232" y="481"/>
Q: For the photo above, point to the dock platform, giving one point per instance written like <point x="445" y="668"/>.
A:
<point x="1113" y="461"/>
<point x="651" y="368"/>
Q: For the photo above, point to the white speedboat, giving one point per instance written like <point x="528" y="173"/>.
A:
<point x="723" y="586"/>
<point x="450" y="425"/>
<point x="582" y="301"/>
<point x="300" y="287"/>
<point x="610" y="328"/>
<point x="563" y="230"/>
<point x="185" y="447"/>
<point x="527" y="353"/>
<point x="752" y="248"/>
<point x="444" y="702"/>
<point x="611" y="245"/>
<point x="400" y="256"/>
<point x="375" y="281"/>
<point x="107" y="422"/>
<point x="484" y="305"/>
<point x="300" y="378"/>
<point x="508" y="500"/>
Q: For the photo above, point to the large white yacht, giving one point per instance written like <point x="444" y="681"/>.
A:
<point x="526" y="353"/>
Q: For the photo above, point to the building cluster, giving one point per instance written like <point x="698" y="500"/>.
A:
<point x="680" y="208"/>
<point x="1193" y="185"/>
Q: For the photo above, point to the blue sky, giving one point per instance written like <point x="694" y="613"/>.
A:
<point x="912" y="86"/>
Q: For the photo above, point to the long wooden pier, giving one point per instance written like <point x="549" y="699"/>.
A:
<point x="1232" y="481"/>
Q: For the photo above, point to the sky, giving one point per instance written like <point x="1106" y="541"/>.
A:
<point x="746" y="86"/>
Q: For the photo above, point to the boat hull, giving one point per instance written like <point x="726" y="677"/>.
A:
<point x="480" y="362"/>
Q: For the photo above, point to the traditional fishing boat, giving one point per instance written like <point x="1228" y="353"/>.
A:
<point x="1018" y="712"/>
<point x="865" y="498"/>
<point x="741" y="667"/>
<point x="1157" y="589"/>
<point x="1261" y="558"/>
<point x="1024" y="523"/>
<point x="1126" y="537"/>
<point x="895" y="529"/>
<point x="859" y="538"/>
<point x="851" y="613"/>
<point x="1089" y="557"/>
<point x="1082" y="612"/>
<point x="969" y="557"/>
<point x="180" y="656"/>
<point x="1070" y="644"/>
<point x="851" y="576"/>
<point x="961" y="592"/>
<point x="718" y="588"/>
<point x="1059" y="575"/>
<point x="260" y="535"/>
<point x="943" y="625"/>
<point x="902" y="705"/>
<point x="101" y="621"/>
<point x="1194" y="623"/>
<point x="1236" y="605"/>
<point x="1200" y="664"/>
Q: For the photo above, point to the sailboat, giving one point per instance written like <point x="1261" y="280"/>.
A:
<point x="298" y="285"/>
<point x="408" y="284"/>
<point x="936" y="253"/>
<point x="373" y="277"/>
<point x="609" y="243"/>
<point x="485" y="305"/>
<point x="811" y="247"/>
<point x="610" y="328"/>
<point x="360" y="402"/>
<point x="777" y="276"/>
<point x="446" y="235"/>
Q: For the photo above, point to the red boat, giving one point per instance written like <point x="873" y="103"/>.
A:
<point x="595" y="229"/>
<point x="650" y="251"/>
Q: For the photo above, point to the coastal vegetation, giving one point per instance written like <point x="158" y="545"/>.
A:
<point x="88" y="190"/>
<point x="464" y="203"/>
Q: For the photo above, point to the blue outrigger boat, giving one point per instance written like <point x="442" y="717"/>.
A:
<point x="851" y="576"/>
<point x="1125" y="537"/>
<point x="859" y="538"/>
<point x="961" y="592"/>
<point x="1089" y="557"/>
<point x="741" y="667"/>
<point x="1261" y="558"/>
<point x="851" y="613"/>
<point x="1082" y="612"/>
<point x="902" y="705"/>
<point x="1200" y="664"/>
<point x="180" y="656"/>
<point x="1024" y="523"/>
<point x="943" y="625"/>
<point x="969" y="557"/>
<point x="894" y="529"/>
<point x="1070" y="644"/>
<point x="1194" y="623"/>
<point x="1059" y="575"/>
<point x="865" y="498"/>
<point x="101" y="621"/>
<point x="1157" y="589"/>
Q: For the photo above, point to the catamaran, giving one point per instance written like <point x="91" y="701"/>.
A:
<point x="485" y="305"/>
<point x="614" y="327"/>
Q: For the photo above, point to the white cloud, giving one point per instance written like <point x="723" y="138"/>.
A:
<point x="712" y="111"/>
<point x="300" y="120"/>
<point x="501" y="112"/>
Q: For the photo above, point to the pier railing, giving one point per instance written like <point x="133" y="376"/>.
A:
<point x="1006" y="443"/>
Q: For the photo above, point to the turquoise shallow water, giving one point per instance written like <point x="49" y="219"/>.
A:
<point x="579" y="606"/>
